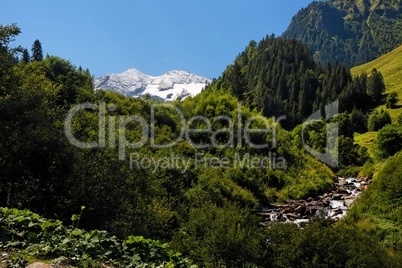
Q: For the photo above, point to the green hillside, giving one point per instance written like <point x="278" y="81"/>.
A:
<point x="378" y="211"/>
<point x="351" y="32"/>
<point x="186" y="180"/>
<point x="390" y="67"/>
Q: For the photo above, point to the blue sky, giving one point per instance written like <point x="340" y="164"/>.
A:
<point x="153" y="36"/>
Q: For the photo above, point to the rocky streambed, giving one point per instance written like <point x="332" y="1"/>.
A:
<point x="333" y="205"/>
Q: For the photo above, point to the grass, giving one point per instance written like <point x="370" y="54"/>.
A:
<point x="366" y="140"/>
<point x="389" y="65"/>
<point x="378" y="211"/>
<point x="391" y="68"/>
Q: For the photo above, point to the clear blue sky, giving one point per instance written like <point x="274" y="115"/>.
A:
<point x="154" y="36"/>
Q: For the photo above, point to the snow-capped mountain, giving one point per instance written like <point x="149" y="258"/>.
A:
<point x="169" y="86"/>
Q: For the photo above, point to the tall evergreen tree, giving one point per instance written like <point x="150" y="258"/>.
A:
<point x="37" y="54"/>
<point x="375" y="86"/>
<point x="237" y="81"/>
<point x="25" y="56"/>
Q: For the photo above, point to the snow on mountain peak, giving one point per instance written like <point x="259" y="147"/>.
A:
<point x="169" y="86"/>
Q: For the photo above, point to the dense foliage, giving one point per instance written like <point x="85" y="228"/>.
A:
<point x="43" y="171"/>
<point x="280" y="77"/>
<point x="204" y="209"/>
<point x="378" y="119"/>
<point x="319" y="244"/>
<point x="379" y="212"/>
<point x="351" y="32"/>
<point x="49" y="239"/>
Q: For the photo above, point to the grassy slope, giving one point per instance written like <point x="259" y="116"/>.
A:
<point x="390" y="65"/>
<point x="378" y="211"/>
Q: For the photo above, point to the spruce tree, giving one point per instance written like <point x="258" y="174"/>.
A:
<point x="375" y="86"/>
<point x="25" y="56"/>
<point x="37" y="54"/>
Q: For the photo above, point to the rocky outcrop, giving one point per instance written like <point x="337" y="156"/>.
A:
<point x="333" y="205"/>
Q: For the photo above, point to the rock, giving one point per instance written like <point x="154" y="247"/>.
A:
<point x="278" y="205"/>
<point x="341" y="181"/>
<point x="337" y="212"/>
<point x="309" y="211"/>
<point x="291" y="216"/>
<point x="332" y="204"/>
<point x="337" y="197"/>
<point x="342" y="190"/>
<point x="326" y="195"/>
<point x="300" y="209"/>
<point x="319" y="212"/>
<point x="286" y="210"/>
<point x="41" y="265"/>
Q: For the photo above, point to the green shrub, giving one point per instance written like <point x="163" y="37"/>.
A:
<point x="49" y="239"/>
<point x="378" y="120"/>
<point x="379" y="210"/>
<point x="389" y="141"/>
<point x="221" y="236"/>
<point x="392" y="100"/>
<point x="323" y="244"/>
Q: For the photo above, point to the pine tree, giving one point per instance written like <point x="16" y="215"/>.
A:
<point x="375" y="86"/>
<point x="37" y="54"/>
<point x="25" y="56"/>
<point x="238" y="83"/>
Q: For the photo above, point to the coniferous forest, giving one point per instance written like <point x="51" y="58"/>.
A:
<point x="351" y="32"/>
<point x="92" y="206"/>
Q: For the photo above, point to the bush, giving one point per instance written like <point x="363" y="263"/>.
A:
<point x="378" y="211"/>
<point x="221" y="236"/>
<point x="389" y="141"/>
<point x="390" y="179"/>
<point x="378" y="120"/>
<point x="49" y="239"/>
<point x="358" y="120"/>
<point x="392" y="100"/>
<point x="323" y="244"/>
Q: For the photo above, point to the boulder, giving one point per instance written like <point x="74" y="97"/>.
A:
<point x="342" y="190"/>
<point x="337" y="212"/>
<point x="291" y="216"/>
<point x="341" y="181"/>
<point x="337" y="197"/>
<point x="287" y="210"/>
<point x="41" y="265"/>
<point x="300" y="209"/>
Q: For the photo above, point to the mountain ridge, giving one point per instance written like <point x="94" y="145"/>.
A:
<point x="174" y="84"/>
<point x="351" y="32"/>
